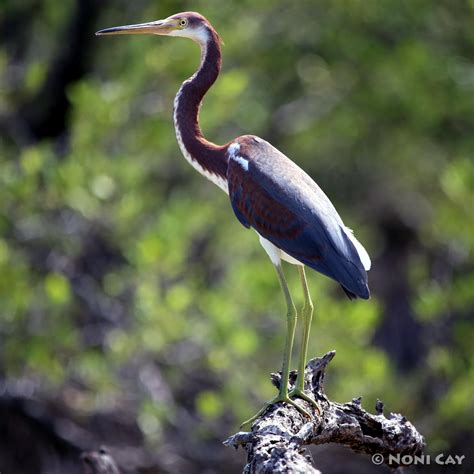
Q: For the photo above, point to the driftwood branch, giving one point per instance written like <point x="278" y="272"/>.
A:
<point x="278" y="438"/>
<point x="99" y="462"/>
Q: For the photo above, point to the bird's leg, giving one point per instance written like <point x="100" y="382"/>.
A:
<point x="307" y="314"/>
<point x="290" y="334"/>
<point x="285" y="371"/>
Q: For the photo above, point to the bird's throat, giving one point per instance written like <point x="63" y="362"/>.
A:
<point x="208" y="158"/>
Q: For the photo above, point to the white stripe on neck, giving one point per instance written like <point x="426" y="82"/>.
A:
<point x="216" y="179"/>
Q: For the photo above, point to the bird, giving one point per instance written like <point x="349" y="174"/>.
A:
<point x="294" y="219"/>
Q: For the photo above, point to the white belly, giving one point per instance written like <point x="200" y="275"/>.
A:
<point x="276" y="255"/>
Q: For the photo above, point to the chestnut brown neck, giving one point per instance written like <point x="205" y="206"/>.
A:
<point x="208" y="158"/>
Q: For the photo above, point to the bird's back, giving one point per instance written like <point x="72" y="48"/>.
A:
<point x="283" y="204"/>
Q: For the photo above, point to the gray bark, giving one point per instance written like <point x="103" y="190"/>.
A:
<point x="99" y="462"/>
<point x="277" y="440"/>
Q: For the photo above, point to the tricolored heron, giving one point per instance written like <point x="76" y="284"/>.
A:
<point x="294" y="219"/>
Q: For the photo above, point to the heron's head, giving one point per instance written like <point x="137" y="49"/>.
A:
<point x="187" y="24"/>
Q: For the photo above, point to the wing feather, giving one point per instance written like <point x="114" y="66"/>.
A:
<point x="283" y="204"/>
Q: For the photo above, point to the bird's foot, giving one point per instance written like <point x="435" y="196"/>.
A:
<point x="279" y="398"/>
<point x="298" y="392"/>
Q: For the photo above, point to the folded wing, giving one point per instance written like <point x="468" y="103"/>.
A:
<point x="271" y="194"/>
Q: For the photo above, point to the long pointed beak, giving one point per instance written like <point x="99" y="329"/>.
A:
<point x="160" y="27"/>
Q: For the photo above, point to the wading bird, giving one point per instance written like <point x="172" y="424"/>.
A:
<point x="294" y="219"/>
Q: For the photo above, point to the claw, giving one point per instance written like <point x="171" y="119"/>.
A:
<point x="273" y="401"/>
<point x="297" y="392"/>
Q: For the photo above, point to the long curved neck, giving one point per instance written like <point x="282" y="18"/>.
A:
<point x="208" y="158"/>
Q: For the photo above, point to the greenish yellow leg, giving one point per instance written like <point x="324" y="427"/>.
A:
<point x="285" y="371"/>
<point x="307" y="315"/>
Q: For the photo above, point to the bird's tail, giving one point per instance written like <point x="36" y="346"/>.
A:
<point x="353" y="296"/>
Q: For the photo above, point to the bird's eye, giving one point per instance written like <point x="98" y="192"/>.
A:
<point x="183" y="22"/>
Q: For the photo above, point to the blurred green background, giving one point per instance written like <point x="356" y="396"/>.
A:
<point x="136" y="312"/>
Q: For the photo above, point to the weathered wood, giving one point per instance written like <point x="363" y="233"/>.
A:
<point x="277" y="440"/>
<point x="99" y="462"/>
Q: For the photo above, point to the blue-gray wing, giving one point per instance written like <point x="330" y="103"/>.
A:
<point x="273" y="195"/>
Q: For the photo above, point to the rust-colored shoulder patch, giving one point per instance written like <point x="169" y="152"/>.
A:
<point x="256" y="208"/>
